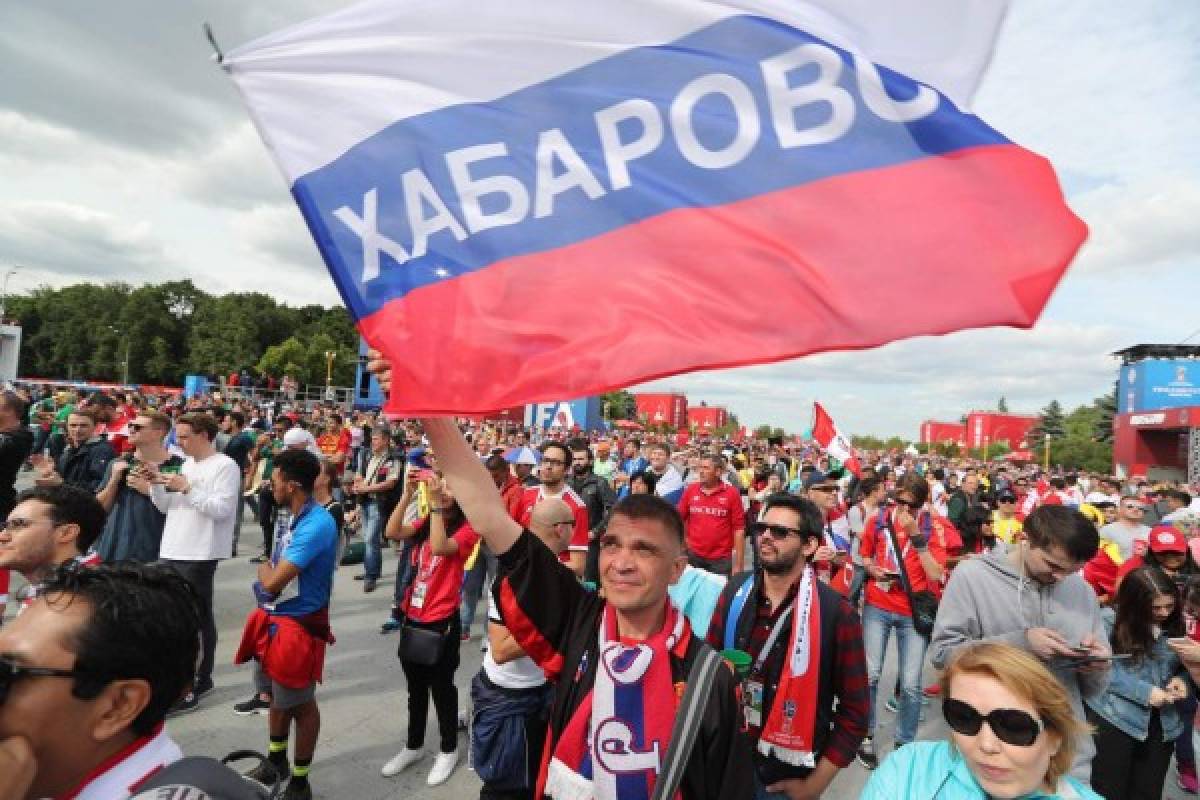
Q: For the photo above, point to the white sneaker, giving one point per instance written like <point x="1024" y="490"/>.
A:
<point x="402" y="761"/>
<point x="443" y="765"/>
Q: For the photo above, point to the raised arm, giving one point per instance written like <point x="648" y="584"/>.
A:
<point x="472" y="485"/>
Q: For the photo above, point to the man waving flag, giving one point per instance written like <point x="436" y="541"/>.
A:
<point x="500" y="189"/>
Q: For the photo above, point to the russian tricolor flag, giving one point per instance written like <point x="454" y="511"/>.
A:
<point x="524" y="201"/>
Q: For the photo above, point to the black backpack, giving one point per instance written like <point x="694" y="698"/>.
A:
<point x="202" y="778"/>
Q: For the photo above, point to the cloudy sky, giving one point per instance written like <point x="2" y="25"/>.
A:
<point x="126" y="155"/>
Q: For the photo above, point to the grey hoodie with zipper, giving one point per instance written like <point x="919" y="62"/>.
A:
<point x="989" y="600"/>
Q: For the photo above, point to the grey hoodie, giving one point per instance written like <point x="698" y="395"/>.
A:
<point x="988" y="600"/>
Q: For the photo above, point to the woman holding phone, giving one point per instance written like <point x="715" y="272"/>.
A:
<point x="1136" y="720"/>
<point x="430" y="629"/>
<point x="1012" y="735"/>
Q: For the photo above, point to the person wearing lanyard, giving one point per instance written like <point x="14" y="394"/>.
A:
<point x="443" y="541"/>
<point x="779" y="610"/>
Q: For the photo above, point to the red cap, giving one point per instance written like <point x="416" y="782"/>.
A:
<point x="1167" y="539"/>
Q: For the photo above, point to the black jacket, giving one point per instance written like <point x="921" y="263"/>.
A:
<point x="84" y="466"/>
<point x="596" y="495"/>
<point x="535" y="592"/>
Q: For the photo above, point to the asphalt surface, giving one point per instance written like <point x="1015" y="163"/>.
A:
<point x="363" y="699"/>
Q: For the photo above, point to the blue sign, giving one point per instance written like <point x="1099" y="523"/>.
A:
<point x="565" y="415"/>
<point x="1156" y="384"/>
<point x="367" y="393"/>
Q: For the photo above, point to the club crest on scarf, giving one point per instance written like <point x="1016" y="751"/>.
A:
<point x="615" y="744"/>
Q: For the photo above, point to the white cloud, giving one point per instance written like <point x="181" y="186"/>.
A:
<point x="890" y="389"/>
<point x="1137" y="225"/>
<point x="234" y="171"/>
<point x="73" y="241"/>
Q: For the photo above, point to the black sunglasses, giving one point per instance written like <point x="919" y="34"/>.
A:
<point x="10" y="673"/>
<point x="1011" y="726"/>
<point x="776" y="531"/>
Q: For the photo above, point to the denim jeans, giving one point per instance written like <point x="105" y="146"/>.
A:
<point x="477" y="581"/>
<point x="877" y="628"/>
<point x="372" y="533"/>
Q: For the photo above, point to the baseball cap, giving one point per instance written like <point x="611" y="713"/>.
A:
<point x="1167" y="539"/>
<point x="295" y="437"/>
<point x="1006" y="496"/>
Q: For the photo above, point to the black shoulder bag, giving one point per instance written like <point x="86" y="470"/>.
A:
<point x="924" y="603"/>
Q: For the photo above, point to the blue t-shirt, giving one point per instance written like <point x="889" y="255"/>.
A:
<point x="311" y="544"/>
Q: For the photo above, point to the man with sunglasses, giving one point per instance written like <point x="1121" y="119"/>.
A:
<point x="50" y="525"/>
<point x="779" y="610"/>
<point x="134" y="526"/>
<point x="1128" y="532"/>
<point x="87" y="674"/>
<point x="1033" y="597"/>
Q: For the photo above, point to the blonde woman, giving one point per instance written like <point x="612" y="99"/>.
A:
<point x="1012" y="735"/>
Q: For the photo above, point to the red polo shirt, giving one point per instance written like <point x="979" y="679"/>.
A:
<point x="710" y="518"/>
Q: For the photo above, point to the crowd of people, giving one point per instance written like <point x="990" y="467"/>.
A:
<point x="702" y="620"/>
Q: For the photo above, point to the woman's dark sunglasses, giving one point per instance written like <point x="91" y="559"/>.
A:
<point x="776" y="531"/>
<point x="1011" y="726"/>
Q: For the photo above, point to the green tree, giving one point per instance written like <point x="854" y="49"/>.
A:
<point x="618" y="405"/>
<point x="1002" y="406"/>
<point x="1051" y="422"/>
<point x="762" y="432"/>
<point x="1106" y="405"/>
<point x="287" y="358"/>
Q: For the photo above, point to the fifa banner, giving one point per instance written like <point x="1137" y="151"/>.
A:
<point x="835" y="444"/>
<point x="521" y="201"/>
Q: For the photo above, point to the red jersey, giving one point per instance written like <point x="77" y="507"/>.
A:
<point x="876" y="545"/>
<point x="434" y="592"/>
<point x="579" y="537"/>
<point x="710" y="519"/>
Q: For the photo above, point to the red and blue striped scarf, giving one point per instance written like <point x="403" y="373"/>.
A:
<point x="615" y="744"/>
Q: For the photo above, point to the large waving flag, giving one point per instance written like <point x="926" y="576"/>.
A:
<point x="836" y="445"/>
<point x="524" y="201"/>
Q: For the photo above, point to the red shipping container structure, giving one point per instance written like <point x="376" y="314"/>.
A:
<point x="989" y="428"/>
<point x="934" y="432"/>
<point x="706" y="419"/>
<point x="663" y="408"/>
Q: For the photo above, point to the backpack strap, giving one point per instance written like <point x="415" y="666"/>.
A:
<point x="733" y="612"/>
<point x="687" y="720"/>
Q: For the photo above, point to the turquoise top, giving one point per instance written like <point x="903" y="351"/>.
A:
<point x="935" y="771"/>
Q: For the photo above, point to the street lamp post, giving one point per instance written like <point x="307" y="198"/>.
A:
<point x="1047" y="465"/>
<point x="125" y="361"/>
<point x="330" y="355"/>
<point x="4" y="290"/>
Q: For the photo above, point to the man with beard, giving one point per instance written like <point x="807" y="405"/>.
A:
<point x="778" y="610"/>
<point x="556" y="457"/>
<point x="597" y="497"/>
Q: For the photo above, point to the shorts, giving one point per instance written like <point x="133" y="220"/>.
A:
<point x="282" y="697"/>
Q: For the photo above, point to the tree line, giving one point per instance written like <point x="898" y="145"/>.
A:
<point x="158" y="333"/>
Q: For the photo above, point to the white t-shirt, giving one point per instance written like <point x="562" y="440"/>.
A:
<point x="521" y="673"/>
<point x="199" y="524"/>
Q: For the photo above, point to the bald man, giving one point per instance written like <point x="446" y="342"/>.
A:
<point x="510" y="684"/>
<point x="549" y="522"/>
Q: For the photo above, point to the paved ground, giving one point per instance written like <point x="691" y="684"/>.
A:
<point x="362" y="701"/>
